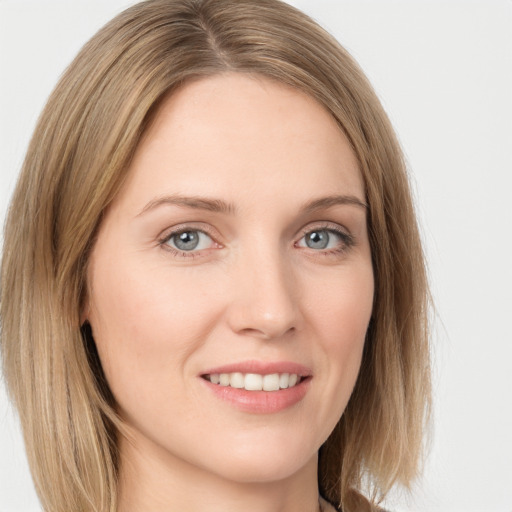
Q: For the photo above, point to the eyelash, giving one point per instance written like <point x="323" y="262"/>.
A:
<point x="347" y="240"/>
<point x="164" y="241"/>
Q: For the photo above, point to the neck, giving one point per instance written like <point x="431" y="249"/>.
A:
<point x="150" y="482"/>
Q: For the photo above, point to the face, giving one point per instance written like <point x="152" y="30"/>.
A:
<point x="231" y="284"/>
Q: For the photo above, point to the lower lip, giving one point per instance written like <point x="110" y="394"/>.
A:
<point x="261" y="402"/>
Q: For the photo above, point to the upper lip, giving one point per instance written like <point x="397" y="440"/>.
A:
<point x="261" y="367"/>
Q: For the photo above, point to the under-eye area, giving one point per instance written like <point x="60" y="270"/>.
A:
<point x="328" y="240"/>
<point x="222" y="286"/>
<point x="189" y="240"/>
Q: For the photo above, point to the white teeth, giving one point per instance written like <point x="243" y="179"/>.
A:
<point x="255" y="381"/>
<point x="271" y="382"/>
<point x="236" y="380"/>
<point x="284" y="380"/>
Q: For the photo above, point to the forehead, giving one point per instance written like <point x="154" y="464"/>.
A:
<point x="230" y="133"/>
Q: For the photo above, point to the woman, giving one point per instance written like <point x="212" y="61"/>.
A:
<point x="212" y="277"/>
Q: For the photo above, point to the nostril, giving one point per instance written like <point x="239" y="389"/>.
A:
<point x="265" y="305"/>
<point x="267" y="333"/>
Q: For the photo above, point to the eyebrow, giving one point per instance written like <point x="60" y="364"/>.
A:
<point x="220" y="206"/>
<point x="327" y="202"/>
<point x="195" y="202"/>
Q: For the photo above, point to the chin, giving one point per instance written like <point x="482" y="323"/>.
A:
<point x="265" y="470"/>
<point x="263" y="462"/>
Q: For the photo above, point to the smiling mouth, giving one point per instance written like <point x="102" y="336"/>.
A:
<point x="255" y="381"/>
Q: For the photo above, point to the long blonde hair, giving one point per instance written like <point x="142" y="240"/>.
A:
<point x="76" y="163"/>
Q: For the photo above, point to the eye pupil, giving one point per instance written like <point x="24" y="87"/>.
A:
<point x="186" y="241"/>
<point x="317" y="239"/>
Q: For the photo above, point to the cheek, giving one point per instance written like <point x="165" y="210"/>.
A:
<point x="145" y="324"/>
<point x="341" y="316"/>
<point x="343" y="306"/>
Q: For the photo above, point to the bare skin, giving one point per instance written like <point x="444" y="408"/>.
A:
<point x="238" y="245"/>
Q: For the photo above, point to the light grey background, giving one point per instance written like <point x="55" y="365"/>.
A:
<point x="443" y="70"/>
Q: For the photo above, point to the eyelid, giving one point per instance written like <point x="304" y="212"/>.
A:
<point x="167" y="233"/>
<point x="325" y="225"/>
<point x="200" y="227"/>
<point x="345" y="235"/>
<point x="347" y="239"/>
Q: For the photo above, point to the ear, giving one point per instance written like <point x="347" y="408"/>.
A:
<point x="85" y="312"/>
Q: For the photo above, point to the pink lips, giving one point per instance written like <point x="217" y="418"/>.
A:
<point x="262" y="402"/>
<point x="264" y="368"/>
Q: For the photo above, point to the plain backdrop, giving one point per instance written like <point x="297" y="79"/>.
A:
<point x="443" y="70"/>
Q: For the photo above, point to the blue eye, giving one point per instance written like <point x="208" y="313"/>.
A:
<point x="318" y="239"/>
<point x="190" y="240"/>
<point x="325" y="239"/>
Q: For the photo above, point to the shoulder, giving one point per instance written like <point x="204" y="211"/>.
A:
<point x="327" y="507"/>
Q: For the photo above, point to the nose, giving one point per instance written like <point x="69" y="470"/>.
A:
<point x="265" y="301"/>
